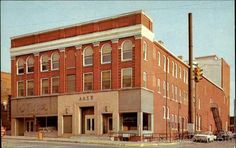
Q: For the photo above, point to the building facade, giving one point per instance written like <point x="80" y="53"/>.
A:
<point x="99" y="77"/>
<point x="5" y="94"/>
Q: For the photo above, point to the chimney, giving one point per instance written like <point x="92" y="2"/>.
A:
<point x="161" y="42"/>
<point x="180" y="57"/>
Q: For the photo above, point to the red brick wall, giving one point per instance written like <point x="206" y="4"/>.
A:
<point x="123" y="21"/>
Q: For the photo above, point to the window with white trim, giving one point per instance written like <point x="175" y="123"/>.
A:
<point x="55" y="85"/>
<point x="164" y="88"/>
<point x="55" y="61"/>
<point x="199" y="104"/>
<point x="173" y="68"/>
<point x="88" y="81"/>
<point x="126" y="74"/>
<point x="180" y="96"/>
<point x="176" y="93"/>
<point x="159" y="58"/>
<point x="20" y="88"/>
<point x="44" y="63"/>
<point x="164" y="63"/>
<point x="106" y="54"/>
<point x="168" y="113"/>
<point x="20" y="66"/>
<point x="44" y="86"/>
<point x="145" y="50"/>
<point x="176" y="70"/>
<point x="106" y="79"/>
<point x="30" y="64"/>
<point x="168" y="90"/>
<point x="180" y="71"/>
<point x="158" y="86"/>
<point x="126" y="50"/>
<point x="173" y="92"/>
<point x="30" y="87"/>
<point x="168" y="65"/>
<point x="164" y="112"/>
<point x="88" y="56"/>
<point x="145" y="79"/>
<point x="184" y="75"/>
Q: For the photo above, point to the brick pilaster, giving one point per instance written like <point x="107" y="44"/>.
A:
<point x="137" y="61"/>
<point x="115" y="64"/>
<point x="96" y="67"/>
<point x="36" y="74"/>
<point x="79" y="67"/>
<point x="62" y="71"/>
<point x="13" y="77"/>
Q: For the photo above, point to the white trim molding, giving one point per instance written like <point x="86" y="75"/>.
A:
<point x="85" y="39"/>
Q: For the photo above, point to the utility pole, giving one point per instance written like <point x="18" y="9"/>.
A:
<point x="190" y="75"/>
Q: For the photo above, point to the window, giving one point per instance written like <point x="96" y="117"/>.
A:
<point x="70" y="59"/>
<point x="173" y="69"/>
<point x="20" y="88"/>
<point x="168" y="113"/>
<point x="154" y="54"/>
<point x="176" y="70"/>
<point x="44" y="63"/>
<point x="88" y="81"/>
<point x="106" y="54"/>
<point x="147" y="121"/>
<point x="71" y="83"/>
<point x="164" y="88"/>
<point x="30" y="65"/>
<point x="144" y="50"/>
<point x="199" y="104"/>
<point x="172" y="118"/>
<point x="168" y="90"/>
<point x="159" y="58"/>
<point x="180" y="98"/>
<point x="128" y="121"/>
<point x="158" y="86"/>
<point x="154" y="81"/>
<point x="164" y="112"/>
<point x="20" y="66"/>
<point x="30" y="88"/>
<point x="173" y="92"/>
<point x="88" y="56"/>
<point x="126" y="50"/>
<point x="145" y="79"/>
<point x="176" y="93"/>
<point x="168" y="65"/>
<point x="180" y="71"/>
<point x="45" y="86"/>
<point x="55" y="84"/>
<point x="55" y="61"/>
<point x="106" y="79"/>
<point x="126" y="74"/>
<point x="184" y="75"/>
<point x="164" y="62"/>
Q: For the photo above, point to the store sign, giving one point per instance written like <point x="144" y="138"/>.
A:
<point x="86" y="98"/>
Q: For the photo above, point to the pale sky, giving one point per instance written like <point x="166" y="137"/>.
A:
<point x="213" y="24"/>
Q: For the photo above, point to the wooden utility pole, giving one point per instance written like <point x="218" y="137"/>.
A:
<point x="190" y="72"/>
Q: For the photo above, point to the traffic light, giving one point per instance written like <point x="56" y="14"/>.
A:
<point x="197" y="74"/>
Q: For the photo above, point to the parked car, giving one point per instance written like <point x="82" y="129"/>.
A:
<point x="204" y="137"/>
<point x="223" y="135"/>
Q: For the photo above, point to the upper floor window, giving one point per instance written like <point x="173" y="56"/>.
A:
<point x="55" y="61"/>
<point x="106" y="79"/>
<point x="44" y="63"/>
<point x="20" y="88"/>
<point x="168" y="65"/>
<point x="88" y="56"/>
<point x="20" y="66"/>
<point x="145" y="79"/>
<point x="106" y="54"/>
<point x="30" y="64"/>
<point x="164" y="112"/>
<point x="144" y="50"/>
<point x="173" y="68"/>
<point x="164" y="62"/>
<point x="55" y="84"/>
<point x="126" y="75"/>
<point x="164" y="88"/>
<point x="30" y="88"/>
<point x="70" y="59"/>
<point x="180" y="73"/>
<point x="176" y="70"/>
<point x="44" y="86"/>
<point x="159" y="58"/>
<point x="126" y="50"/>
<point x="158" y="86"/>
<point x="88" y="81"/>
<point x="71" y="83"/>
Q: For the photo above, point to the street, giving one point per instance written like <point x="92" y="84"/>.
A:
<point x="12" y="143"/>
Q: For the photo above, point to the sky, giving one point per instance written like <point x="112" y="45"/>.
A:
<point x="213" y="24"/>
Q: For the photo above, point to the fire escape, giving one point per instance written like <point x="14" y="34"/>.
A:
<point x="216" y="116"/>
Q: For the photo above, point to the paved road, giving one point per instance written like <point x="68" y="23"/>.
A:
<point x="12" y="143"/>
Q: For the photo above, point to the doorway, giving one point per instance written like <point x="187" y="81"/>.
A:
<point x="107" y="123"/>
<point x="87" y="120"/>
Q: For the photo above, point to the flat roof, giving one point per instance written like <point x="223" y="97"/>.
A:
<point x="83" y="23"/>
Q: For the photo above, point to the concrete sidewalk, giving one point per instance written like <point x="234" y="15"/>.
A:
<point x="93" y="141"/>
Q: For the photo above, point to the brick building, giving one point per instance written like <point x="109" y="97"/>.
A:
<point x="102" y="76"/>
<point x="5" y="92"/>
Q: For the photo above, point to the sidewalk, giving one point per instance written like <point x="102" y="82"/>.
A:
<point x="94" y="141"/>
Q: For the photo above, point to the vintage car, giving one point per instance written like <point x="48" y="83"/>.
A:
<point x="204" y="137"/>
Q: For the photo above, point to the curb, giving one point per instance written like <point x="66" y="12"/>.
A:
<point x="126" y="144"/>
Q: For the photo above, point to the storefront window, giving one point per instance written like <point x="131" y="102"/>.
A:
<point x="146" y="121"/>
<point x="129" y="121"/>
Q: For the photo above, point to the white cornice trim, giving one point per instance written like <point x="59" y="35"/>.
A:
<point x="84" y="39"/>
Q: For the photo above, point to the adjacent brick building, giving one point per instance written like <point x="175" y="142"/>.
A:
<point x="107" y="75"/>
